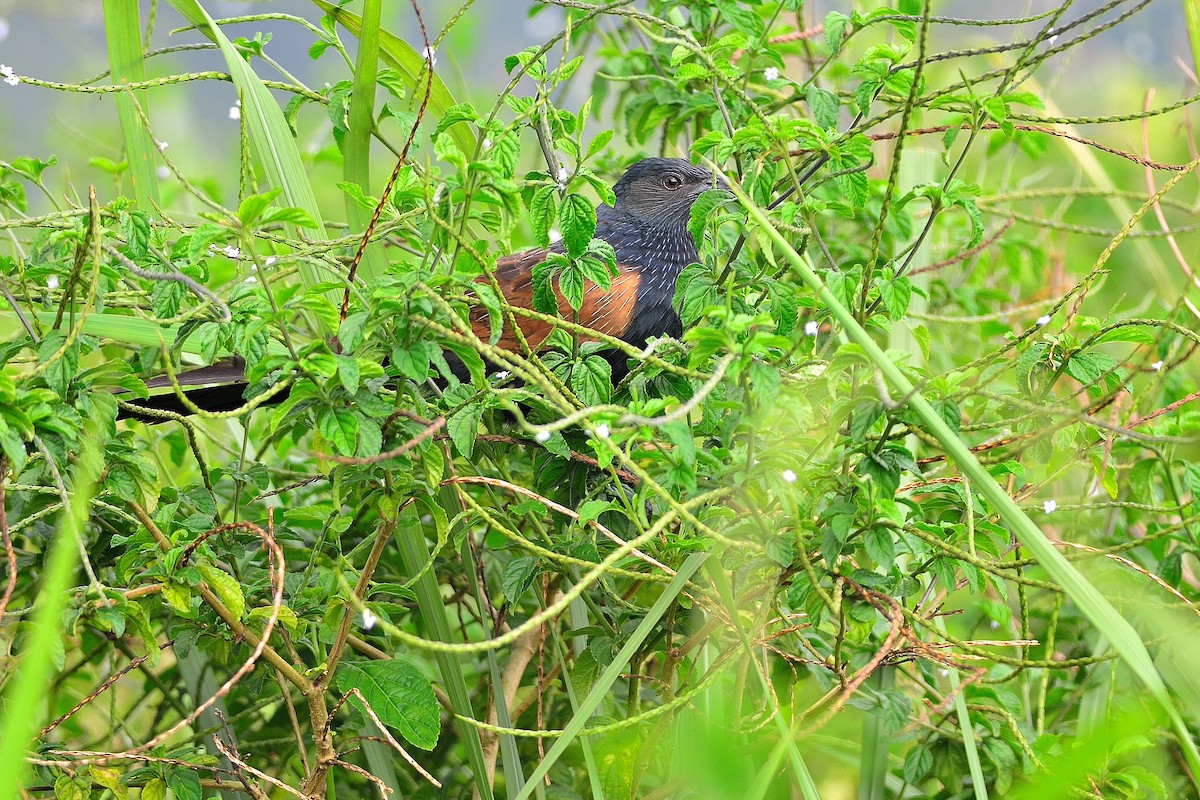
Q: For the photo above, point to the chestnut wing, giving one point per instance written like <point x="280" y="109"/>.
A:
<point x="610" y="312"/>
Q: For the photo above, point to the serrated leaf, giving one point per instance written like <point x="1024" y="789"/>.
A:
<point x="824" y="106"/>
<point x="519" y="572"/>
<point x="463" y="426"/>
<point x="577" y="219"/>
<point x="399" y="695"/>
<point x="185" y="783"/>
<point x="542" y="210"/>
<point x="340" y="427"/>
<point x="835" y="30"/>
<point x="570" y="283"/>
<point x="591" y="380"/>
<point x="226" y="588"/>
<point x="895" y="294"/>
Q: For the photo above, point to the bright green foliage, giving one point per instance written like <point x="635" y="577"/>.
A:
<point x="761" y="564"/>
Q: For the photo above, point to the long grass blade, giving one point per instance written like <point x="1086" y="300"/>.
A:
<point x="123" y="35"/>
<point x="414" y="553"/>
<point x="356" y="163"/>
<point x="27" y="690"/>
<point x="270" y="135"/>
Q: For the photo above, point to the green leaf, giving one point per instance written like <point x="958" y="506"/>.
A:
<point x="545" y="300"/>
<point x="591" y="380"/>
<point x="126" y="61"/>
<point x="824" y="106"/>
<point x="226" y="588"/>
<point x="835" y="31"/>
<point x="570" y="283"/>
<point x="340" y="427"/>
<point x="463" y="426"/>
<point x="519" y="572"/>
<point x="541" y="213"/>
<point x="701" y="208"/>
<point x="895" y="293"/>
<point x="599" y="143"/>
<point x="399" y="695"/>
<point x="577" y="218"/>
<point x="185" y="783"/>
<point x="252" y="207"/>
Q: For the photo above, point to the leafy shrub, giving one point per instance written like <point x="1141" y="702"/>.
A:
<point x="794" y="546"/>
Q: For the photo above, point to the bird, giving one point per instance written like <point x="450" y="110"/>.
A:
<point x="647" y="227"/>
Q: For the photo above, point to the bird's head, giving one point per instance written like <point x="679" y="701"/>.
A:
<point x="660" y="191"/>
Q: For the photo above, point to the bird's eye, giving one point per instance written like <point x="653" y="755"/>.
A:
<point x="672" y="182"/>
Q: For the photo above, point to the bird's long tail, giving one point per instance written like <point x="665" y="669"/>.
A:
<point x="222" y="388"/>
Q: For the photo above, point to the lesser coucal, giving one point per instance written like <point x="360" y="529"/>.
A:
<point x="648" y="230"/>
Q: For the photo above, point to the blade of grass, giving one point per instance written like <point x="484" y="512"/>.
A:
<point x="414" y="553"/>
<point x="613" y="671"/>
<point x="271" y="137"/>
<point x="1087" y="597"/>
<point x="1191" y="12"/>
<point x="400" y="56"/>
<point x="122" y="32"/>
<point x="35" y="670"/>
<point x="356" y="164"/>
<point x="970" y="746"/>
<point x="872" y="783"/>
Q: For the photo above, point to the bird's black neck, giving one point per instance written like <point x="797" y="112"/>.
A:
<point x="665" y="250"/>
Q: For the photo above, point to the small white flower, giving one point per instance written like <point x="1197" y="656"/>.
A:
<point x="812" y="328"/>
<point x="250" y="279"/>
<point x="1157" y="365"/>
<point x="10" y="75"/>
<point x="163" y="172"/>
<point x="1049" y="506"/>
<point x="1044" y="319"/>
<point x="502" y="375"/>
<point x="564" y="175"/>
<point x="368" y="619"/>
<point x="789" y="476"/>
<point x="235" y="110"/>
<point x="162" y="146"/>
<point x="52" y="282"/>
<point x="542" y="436"/>
<point x="487" y="143"/>
<point x="231" y="251"/>
<point x="1053" y="37"/>
<point x="602" y="430"/>
<point x="3" y="29"/>
<point x="771" y="73"/>
<point x="268" y="261"/>
<point x="429" y="55"/>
